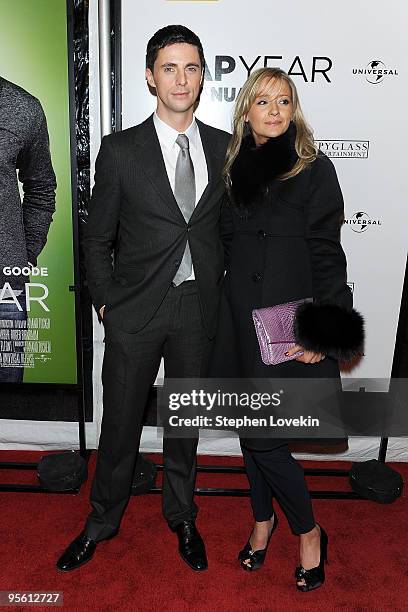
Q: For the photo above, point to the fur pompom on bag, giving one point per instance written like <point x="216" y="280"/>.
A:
<point x="330" y="329"/>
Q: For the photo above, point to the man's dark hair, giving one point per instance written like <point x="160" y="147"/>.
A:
<point x="170" y="35"/>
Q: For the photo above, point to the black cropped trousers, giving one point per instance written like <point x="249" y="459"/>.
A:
<point x="274" y="473"/>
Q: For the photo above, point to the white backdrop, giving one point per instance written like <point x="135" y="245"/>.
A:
<point x="348" y="68"/>
<point x="348" y="108"/>
<point x="322" y="45"/>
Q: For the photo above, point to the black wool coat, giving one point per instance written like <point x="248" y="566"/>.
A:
<point x="287" y="249"/>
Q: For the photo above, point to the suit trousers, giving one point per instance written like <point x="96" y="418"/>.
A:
<point x="130" y="367"/>
<point x="275" y="473"/>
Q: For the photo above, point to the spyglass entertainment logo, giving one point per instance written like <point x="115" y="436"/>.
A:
<point x="344" y="148"/>
<point x="375" y="72"/>
<point x="360" y="222"/>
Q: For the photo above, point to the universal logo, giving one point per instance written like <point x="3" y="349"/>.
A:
<point x="360" y="222"/>
<point x="344" y="148"/>
<point x="375" y="72"/>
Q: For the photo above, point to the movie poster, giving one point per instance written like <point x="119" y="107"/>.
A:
<point x="37" y="307"/>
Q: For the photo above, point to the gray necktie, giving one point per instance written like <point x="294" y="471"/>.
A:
<point x="185" y="194"/>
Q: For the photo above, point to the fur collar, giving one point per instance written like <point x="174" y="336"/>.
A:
<point x="255" y="167"/>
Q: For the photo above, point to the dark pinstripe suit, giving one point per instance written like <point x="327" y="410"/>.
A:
<point x="134" y="214"/>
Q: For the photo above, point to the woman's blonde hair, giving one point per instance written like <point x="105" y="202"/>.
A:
<point x="257" y="84"/>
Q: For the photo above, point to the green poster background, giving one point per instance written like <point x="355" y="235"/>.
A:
<point x="34" y="55"/>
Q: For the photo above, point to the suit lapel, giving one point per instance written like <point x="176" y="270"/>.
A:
<point x="152" y="162"/>
<point x="213" y="165"/>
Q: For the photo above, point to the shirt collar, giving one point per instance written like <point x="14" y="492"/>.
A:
<point x="168" y="135"/>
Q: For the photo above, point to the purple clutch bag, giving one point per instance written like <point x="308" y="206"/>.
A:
<point x="274" y="329"/>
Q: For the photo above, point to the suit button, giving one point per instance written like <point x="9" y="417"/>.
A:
<point x="176" y="263"/>
<point x="188" y="228"/>
<point x="261" y="234"/>
<point x="256" y="277"/>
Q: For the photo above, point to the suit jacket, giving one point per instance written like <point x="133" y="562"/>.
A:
<point x="136" y="233"/>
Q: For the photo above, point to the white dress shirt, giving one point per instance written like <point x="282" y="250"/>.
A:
<point x="167" y="138"/>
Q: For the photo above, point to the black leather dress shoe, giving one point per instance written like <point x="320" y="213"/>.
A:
<point x="79" y="552"/>
<point x="191" y="546"/>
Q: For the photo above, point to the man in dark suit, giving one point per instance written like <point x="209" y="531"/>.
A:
<point x="155" y="206"/>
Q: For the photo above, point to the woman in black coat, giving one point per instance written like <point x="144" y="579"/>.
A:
<point x="281" y="231"/>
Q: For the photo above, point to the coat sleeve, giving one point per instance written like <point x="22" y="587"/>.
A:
<point x="324" y="218"/>
<point x="330" y="324"/>
<point x="102" y="225"/>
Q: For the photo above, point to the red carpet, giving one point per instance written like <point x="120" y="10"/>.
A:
<point x="140" y="570"/>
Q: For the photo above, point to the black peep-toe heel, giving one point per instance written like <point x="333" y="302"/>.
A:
<point x="314" y="578"/>
<point x="255" y="558"/>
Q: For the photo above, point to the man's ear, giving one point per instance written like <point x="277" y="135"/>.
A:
<point x="150" y="78"/>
